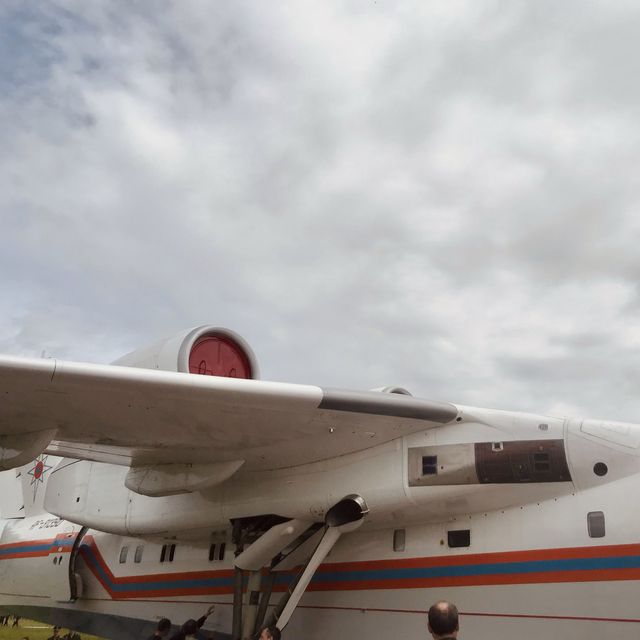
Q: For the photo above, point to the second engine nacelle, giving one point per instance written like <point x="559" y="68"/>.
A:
<point x="206" y="350"/>
<point x="393" y="389"/>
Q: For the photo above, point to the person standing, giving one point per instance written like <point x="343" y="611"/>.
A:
<point x="191" y="627"/>
<point x="270" y="633"/>
<point x="163" y="628"/>
<point x="442" y="621"/>
<point x="56" y="634"/>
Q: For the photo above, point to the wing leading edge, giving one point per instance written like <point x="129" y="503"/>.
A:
<point x="132" y="416"/>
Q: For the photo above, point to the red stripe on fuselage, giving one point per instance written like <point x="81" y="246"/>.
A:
<point x="108" y="580"/>
<point x="48" y="545"/>
<point x="566" y="553"/>
<point x="543" y="577"/>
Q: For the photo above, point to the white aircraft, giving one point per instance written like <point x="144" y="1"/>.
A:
<point x="137" y="491"/>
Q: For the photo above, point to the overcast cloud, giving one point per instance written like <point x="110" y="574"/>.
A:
<point x="440" y="195"/>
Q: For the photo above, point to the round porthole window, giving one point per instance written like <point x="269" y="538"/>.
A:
<point x="600" y="469"/>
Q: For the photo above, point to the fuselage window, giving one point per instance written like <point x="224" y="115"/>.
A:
<point x="167" y="553"/>
<point x="595" y="524"/>
<point x="459" y="538"/>
<point x="541" y="462"/>
<point x="123" y="554"/>
<point x="429" y="465"/>
<point x="139" y="552"/>
<point x="212" y="551"/>
<point x="399" y="536"/>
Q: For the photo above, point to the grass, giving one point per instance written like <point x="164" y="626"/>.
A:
<point x="33" y="630"/>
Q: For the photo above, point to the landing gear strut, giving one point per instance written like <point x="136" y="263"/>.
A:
<point x="270" y="546"/>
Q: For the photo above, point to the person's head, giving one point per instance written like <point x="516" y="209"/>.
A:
<point x="270" y="633"/>
<point x="56" y="631"/>
<point x="190" y="627"/>
<point x="163" y="627"/>
<point x="443" y="619"/>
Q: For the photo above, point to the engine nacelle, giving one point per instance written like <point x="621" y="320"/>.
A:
<point x="393" y="389"/>
<point x="206" y="350"/>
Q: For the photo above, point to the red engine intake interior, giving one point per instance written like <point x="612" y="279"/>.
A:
<point x="219" y="356"/>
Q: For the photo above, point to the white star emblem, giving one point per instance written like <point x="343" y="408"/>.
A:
<point x="40" y="467"/>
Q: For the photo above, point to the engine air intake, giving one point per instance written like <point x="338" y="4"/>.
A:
<point x="350" y="509"/>
<point x="215" y="355"/>
<point x="206" y="350"/>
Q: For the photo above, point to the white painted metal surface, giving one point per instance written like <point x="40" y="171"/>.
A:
<point x="165" y="417"/>
<point x="530" y="567"/>
<point x="170" y="479"/>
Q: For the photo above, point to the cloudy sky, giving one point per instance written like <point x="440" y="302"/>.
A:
<point x="440" y="195"/>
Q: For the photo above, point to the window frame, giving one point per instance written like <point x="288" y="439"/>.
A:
<point x="430" y="465"/>
<point x="596" y="524"/>
<point x="399" y="540"/>
<point x="458" y="538"/>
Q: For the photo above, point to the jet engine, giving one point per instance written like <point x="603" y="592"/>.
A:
<point x="206" y="350"/>
<point x="393" y="389"/>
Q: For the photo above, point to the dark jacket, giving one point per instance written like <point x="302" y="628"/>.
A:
<point x="181" y="635"/>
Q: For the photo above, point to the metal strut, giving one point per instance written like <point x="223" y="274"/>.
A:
<point x="266" y="588"/>
<point x="269" y="547"/>
<point x="263" y="537"/>
<point x="344" y="517"/>
<point x="330" y="537"/>
<point x="238" y="579"/>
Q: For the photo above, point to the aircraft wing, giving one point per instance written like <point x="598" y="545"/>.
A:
<point x="133" y="416"/>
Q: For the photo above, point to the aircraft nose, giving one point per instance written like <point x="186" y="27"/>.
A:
<point x="623" y="434"/>
<point x="602" y="451"/>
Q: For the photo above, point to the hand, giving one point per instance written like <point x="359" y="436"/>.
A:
<point x="210" y="610"/>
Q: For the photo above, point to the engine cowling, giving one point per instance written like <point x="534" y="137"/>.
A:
<point x="206" y="350"/>
<point x="393" y="389"/>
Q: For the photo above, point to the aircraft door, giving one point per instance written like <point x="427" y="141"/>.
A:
<point x="75" y="580"/>
<point x="64" y="583"/>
